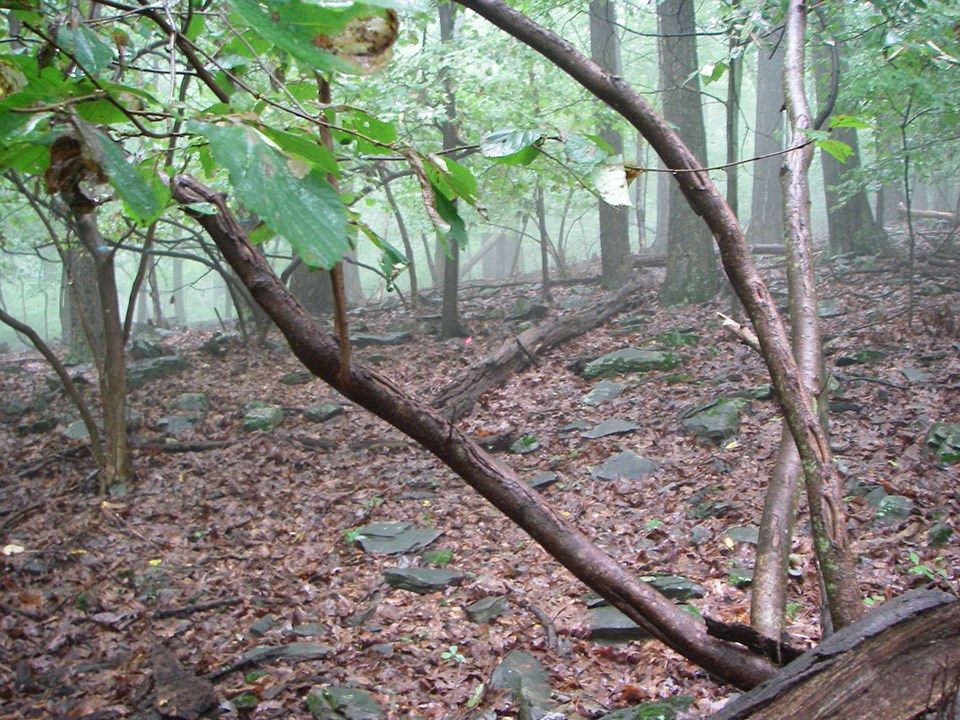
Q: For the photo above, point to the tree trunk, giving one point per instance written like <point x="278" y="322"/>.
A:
<point x="766" y="207"/>
<point x="691" y="265"/>
<point x="81" y="300"/>
<point x="895" y="663"/>
<point x="544" y="244"/>
<point x="320" y="354"/>
<point x="450" y="326"/>
<point x="824" y="488"/>
<point x="614" y="223"/>
<point x="111" y="367"/>
<point x="795" y="400"/>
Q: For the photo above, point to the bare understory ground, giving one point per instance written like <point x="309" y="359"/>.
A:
<point x="264" y="520"/>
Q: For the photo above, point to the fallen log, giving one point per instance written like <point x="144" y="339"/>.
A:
<point x="459" y="396"/>
<point x="937" y="215"/>
<point x="895" y="663"/>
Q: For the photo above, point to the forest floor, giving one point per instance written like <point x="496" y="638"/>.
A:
<point x="267" y="522"/>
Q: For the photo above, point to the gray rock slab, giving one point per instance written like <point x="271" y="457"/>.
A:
<point x="423" y="580"/>
<point x="675" y="587"/>
<point x="630" y="360"/>
<point x="608" y="623"/>
<point x="321" y="412"/>
<point x="392" y="538"/>
<point x="141" y="372"/>
<point x="300" y="377"/>
<point x="293" y="652"/>
<point x="603" y="391"/>
<point x="626" y="465"/>
<point x="262" y="419"/>
<point x="575" y="426"/>
<point x="178" y="424"/>
<point x="394" y="338"/>
<point x="741" y="534"/>
<point x="543" y="479"/>
<point x="894" y="508"/>
<point x="718" y="420"/>
<point x="76" y="431"/>
<point x="524" y="677"/>
<point x="915" y="376"/>
<point x="943" y="443"/>
<point x="613" y="426"/>
<point x="343" y="703"/>
<point x="486" y="609"/>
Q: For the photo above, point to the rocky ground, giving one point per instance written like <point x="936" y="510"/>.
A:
<point x="242" y="552"/>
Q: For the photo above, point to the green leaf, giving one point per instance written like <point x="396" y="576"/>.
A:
<point x="585" y="150"/>
<point x="93" y="54"/>
<point x="611" y="182"/>
<point x="447" y="210"/>
<point x="712" y="72"/>
<point x="512" y="147"/>
<point x="293" y="197"/>
<point x="300" y="28"/>
<point x="141" y="199"/>
<point x="304" y="146"/>
<point x="848" y="121"/>
<point x="370" y="134"/>
<point x="28" y="158"/>
<point x="392" y="261"/>
<point x="451" y="178"/>
<point x="840" y="150"/>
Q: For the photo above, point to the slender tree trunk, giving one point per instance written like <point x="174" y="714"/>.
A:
<point x="732" y="105"/>
<point x="544" y="242"/>
<point x="111" y="367"/>
<point x="691" y="265"/>
<point x="824" y="488"/>
<point x="450" y="326"/>
<point x="407" y="245"/>
<point x="766" y="208"/>
<point x="614" y="223"/>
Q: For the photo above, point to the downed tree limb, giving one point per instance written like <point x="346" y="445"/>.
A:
<point x="500" y="486"/>
<point x="459" y="396"/>
<point x="894" y="663"/>
<point x="937" y="215"/>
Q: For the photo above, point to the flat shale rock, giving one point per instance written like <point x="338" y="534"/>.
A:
<point x="141" y="372"/>
<point x="523" y="675"/>
<point x="626" y="465"/>
<point x="423" y="580"/>
<point x="603" y="391"/>
<point x="612" y="426"/>
<point x="393" y="538"/>
<point x="321" y="412"/>
<point x="343" y="703"/>
<point x="630" y="360"/>
<point x="487" y="609"/>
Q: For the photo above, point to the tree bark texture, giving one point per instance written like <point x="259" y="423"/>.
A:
<point x="614" y="223"/>
<point x="112" y="367"/>
<point x="766" y="206"/>
<point x="823" y="483"/>
<point x="459" y="396"/>
<point x="450" y="326"/>
<point x="319" y="353"/>
<point x="795" y="401"/>
<point x="691" y="266"/>
<point x="894" y="663"/>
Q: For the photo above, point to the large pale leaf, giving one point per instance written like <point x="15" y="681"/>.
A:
<point x="611" y="182"/>
<point x="585" y="150"/>
<point x="290" y="195"/>
<point x="512" y="147"/>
